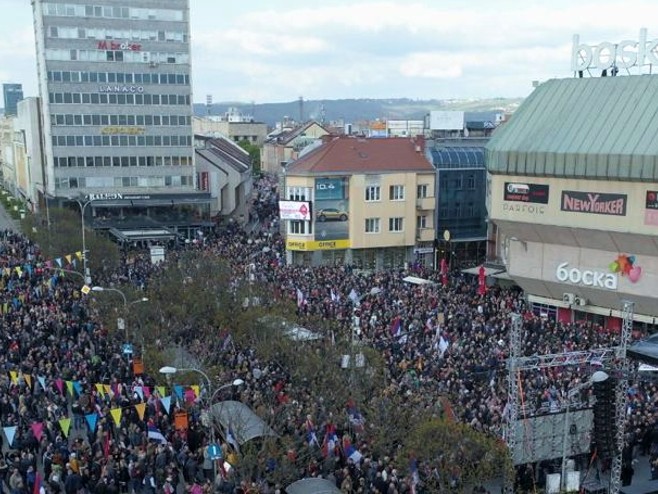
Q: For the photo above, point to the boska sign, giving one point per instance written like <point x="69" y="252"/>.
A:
<point x="624" y="54"/>
<point x="585" y="277"/>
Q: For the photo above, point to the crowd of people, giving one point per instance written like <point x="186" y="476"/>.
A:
<point x="436" y="341"/>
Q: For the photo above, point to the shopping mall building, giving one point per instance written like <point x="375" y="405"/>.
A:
<point x="573" y="195"/>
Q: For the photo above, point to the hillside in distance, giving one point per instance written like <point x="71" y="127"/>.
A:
<point x="352" y="110"/>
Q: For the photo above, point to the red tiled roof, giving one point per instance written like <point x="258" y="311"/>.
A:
<point x="358" y="155"/>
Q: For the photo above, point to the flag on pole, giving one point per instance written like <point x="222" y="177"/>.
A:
<point x="231" y="439"/>
<point x="396" y="326"/>
<point x="301" y="300"/>
<point x="155" y="434"/>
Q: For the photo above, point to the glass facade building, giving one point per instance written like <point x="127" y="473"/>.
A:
<point x="461" y="197"/>
<point x="12" y="94"/>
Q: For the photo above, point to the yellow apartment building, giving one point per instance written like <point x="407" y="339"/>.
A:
<point x="365" y="202"/>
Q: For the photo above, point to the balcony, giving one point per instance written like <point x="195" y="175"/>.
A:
<point x="425" y="203"/>
<point x="424" y="234"/>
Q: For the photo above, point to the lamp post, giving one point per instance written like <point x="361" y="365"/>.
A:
<point x="126" y="304"/>
<point x="169" y="371"/>
<point x="597" y="377"/>
<point x="83" y="205"/>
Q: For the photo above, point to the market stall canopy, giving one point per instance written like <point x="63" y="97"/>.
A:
<point x="313" y="486"/>
<point x="417" y="281"/>
<point x="244" y="424"/>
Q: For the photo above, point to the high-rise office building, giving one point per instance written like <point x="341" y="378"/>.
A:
<point x="114" y="76"/>
<point x="12" y="94"/>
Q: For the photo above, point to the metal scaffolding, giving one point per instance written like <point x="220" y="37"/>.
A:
<point x="620" y="396"/>
<point x="512" y="395"/>
<point x="611" y="357"/>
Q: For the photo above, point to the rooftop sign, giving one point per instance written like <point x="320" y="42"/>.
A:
<point x="623" y="54"/>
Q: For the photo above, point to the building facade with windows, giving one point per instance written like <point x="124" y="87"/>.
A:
<point x="574" y="194"/>
<point x="365" y="202"/>
<point x="116" y="95"/>
<point x="12" y="94"/>
<point x="461" y="182"/>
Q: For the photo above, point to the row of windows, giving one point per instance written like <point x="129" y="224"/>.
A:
<point x="119" y="99"/>
<point x="121" y="34"/>
<point x="373" y="225"/>
<point x="121" y="141"/>
<point x="121" y="161"/>
<point x="457" y="182"/>
<point x="118" y="77"/>
<point x="67" y="55"/>
<point x="373" y="193"/>
<point x="68" y="119"/>
<point x="457" y="210"/>
<point x="105" y="182"/>
<point x="111" y="12"/>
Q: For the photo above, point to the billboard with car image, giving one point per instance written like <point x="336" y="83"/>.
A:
<point x="331" y="208"/>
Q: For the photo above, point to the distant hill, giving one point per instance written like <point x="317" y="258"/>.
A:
<point x="352" y="110"/>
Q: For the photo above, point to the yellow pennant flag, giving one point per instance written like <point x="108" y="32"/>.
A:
<point x="107" y="389"/>
<point x="195" y="388"/>
<point x="28" y="380"/>
<point x="100" y="390"/>
<point x="65" y="424"/>
<point x="162" y="391"/>
<point x="116" y="415"/>
<point x="68" y="258"/>
<point x="14" y="376"/>
<point x="79" y="255"/>
<point x="69" y="386"/>
<point x="141" y="408"/>
<point x="19" y="271"/>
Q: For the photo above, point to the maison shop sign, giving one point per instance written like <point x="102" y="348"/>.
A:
<point x="585" y="277"/>
<point x="623" y="54"/>
<point x="116" y="45"/>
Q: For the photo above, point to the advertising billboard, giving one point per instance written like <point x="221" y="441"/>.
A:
<point x="593" y="203"/>
<point x="651" y="208"/>
<point x="295" y="210"/>
<point x="526" y="192"/>
<point x="446" y="120"/>
<point x="331" y="209"/>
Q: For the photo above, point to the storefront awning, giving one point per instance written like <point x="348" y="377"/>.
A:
<point x="143" y="234"/>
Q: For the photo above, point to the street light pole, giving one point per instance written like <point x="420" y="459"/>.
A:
<point x="83" y="205"/>
<point x="125" y="302"/>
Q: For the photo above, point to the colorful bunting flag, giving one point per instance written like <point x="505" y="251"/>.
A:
<point x="141" y="408"/>
<point x="65" y="425"/>
<point x="116" y="415"/>
<point x="10" y="432"/>
<point x="37" y="430"/>
<point x="69" y="387"/>
<point x="92" y="418"/>
<point x="166" y="402"/>
<point x="42" y="381"/>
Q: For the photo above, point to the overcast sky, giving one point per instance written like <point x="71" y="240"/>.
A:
<point x="266" y="51"/>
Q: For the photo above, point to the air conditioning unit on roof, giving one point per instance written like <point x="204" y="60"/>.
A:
<point x="568" y="298"/>
<point x="580" y="301"/>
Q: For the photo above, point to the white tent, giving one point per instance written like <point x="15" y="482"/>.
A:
<point x="417" y="281"/>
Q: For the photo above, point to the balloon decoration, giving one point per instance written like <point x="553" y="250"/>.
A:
<point x="627" y="266"/>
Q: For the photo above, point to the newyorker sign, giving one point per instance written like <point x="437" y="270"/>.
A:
<point x="593" y="203"/>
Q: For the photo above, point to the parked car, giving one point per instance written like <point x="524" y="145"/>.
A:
<point x="331" y="214"/>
